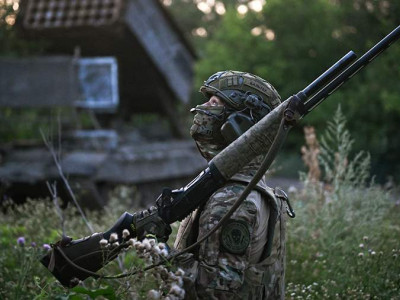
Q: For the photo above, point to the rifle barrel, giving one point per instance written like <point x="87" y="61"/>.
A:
<point x="329" y="74"/>
<point x="364" y="60"/>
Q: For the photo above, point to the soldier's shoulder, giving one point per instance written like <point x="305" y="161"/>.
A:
<point x="224" y="198"/>
<point x="230" y="189"/>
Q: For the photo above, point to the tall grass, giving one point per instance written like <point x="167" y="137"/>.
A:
<point x="344" y="242"/>
<point x="26" y="232"/>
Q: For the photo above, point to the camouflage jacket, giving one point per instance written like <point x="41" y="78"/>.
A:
<point x="231" y="263"/>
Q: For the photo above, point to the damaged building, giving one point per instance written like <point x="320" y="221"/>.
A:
<point x="114" y="59"/>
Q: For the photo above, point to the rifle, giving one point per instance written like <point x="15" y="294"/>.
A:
<point x="70" y="261"/>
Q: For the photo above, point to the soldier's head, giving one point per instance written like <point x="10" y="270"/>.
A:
<point x="235" y="101"/>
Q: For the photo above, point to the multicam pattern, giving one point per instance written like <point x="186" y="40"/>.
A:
<point x="206" y="131"/>
<point x="232" y="263"/>
<point x="223" y="83"/>
<point x="255" y="141"/>
<point x="215" y="273"/>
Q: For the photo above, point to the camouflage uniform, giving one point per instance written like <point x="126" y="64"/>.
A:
<point x="217" y="271"/>
<point x="236" y="262"/>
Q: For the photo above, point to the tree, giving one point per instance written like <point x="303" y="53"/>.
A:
<point x="291" y="42"/>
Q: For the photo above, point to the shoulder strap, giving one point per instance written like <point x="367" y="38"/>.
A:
<point x="271" y="195"/>
<point x="266" y="191"/>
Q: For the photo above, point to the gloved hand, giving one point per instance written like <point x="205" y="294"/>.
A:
<point x="91" y="253"/>
<point x="148" y="222"/>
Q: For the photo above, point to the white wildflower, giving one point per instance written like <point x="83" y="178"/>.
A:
<point x="172" y="276"/>
<point x="361" y="245"/>
<point x="152" y="242"/>
<point x="125" y="233"/>
<point x="373" y="253"/>
<point x="115" y="245"/>
<point x="159" y="268"/>
<point x="292" y="189"/>
<point x="103" y="243"/>
<point x="180" y="272"/>
<point x="361" y="254"/>
<point x="131" y="242"/>
<point x="136" y="244"/>
<point x="179" y="281"/>
<point x="156" y="250"/>
<point x="139" y="246"/>
<point x="161" y="246"/>
<point x="164" y="272"/>
<point x="146" y="244"/>
<point x="176" y="290"/>
<point x="154" y="295"/>
<point x="113" y="237"/>
<point x="164" y="253"/>
<point x="365" y="238"/>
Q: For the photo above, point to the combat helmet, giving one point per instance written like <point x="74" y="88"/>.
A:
<point x="248" y="99"/>
<point x="241" y="90"/>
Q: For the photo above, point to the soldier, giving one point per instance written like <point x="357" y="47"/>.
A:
<point x="245" y="259"/>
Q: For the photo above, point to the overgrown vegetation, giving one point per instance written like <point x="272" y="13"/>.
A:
<point x="343" y="244"/>
<point x="25" y="235"/>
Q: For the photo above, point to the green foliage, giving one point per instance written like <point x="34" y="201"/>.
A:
<point x="336" y="147"/>
<point x="13" y="129"/>
<point x="307" y="37"/>
<point x="10" y="43"/>
<point x="107" y="293"/>
<point x="25" y="124"/>
<point x="343" y="243"/>
<point x="25" y="231"/>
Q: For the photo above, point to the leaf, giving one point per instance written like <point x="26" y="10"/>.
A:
<point x="107" y="292"/>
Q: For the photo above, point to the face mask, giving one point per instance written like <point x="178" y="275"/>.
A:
<point x="206" y="127"/>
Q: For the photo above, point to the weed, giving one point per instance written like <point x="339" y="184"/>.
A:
<point x="344" y="242"/>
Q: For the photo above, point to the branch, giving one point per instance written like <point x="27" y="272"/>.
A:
<point x="65" y="181"/>
<point x="53" y="191"/>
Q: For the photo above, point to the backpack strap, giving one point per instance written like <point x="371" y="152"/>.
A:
<point x="270" y="196"/>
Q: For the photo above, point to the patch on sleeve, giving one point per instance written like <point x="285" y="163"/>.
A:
<point x="235" y="236"/>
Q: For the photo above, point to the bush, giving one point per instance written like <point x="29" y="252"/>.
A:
<point x="343" y="243"/>
<point x="26" y="232"/>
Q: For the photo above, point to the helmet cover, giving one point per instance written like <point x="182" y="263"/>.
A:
<point x="231" y="86"/>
